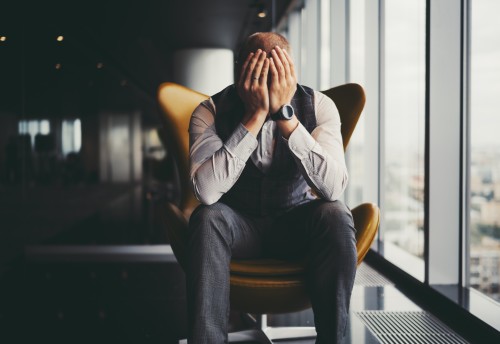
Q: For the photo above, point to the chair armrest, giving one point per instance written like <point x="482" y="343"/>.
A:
<point x="366" y="221"/>
<point x="176" y="225"/>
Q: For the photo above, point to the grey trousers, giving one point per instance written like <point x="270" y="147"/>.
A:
<point x="324" y="231"/>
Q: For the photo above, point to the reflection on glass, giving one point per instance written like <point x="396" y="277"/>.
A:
<point x="355" y="152"/>
<point x="404" y="105"/>
<point x="33" y="128"/>
<point x="71" y="136"/>
<point x="44" y="127"/>
<point x="485" y="148"/>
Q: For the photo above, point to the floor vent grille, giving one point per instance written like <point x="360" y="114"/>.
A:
<point x="408" y="328"/>
<point x="368" y="277"/>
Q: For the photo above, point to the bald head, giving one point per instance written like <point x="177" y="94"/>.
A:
<point x="262" y="40"/>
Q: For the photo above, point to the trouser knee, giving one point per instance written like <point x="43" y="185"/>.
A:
<point x="209" y="224"/>
<point x="332" y="223"/>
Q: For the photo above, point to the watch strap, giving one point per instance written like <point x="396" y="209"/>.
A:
<point x="277" y="115"/>
<point x="280" y="113"/>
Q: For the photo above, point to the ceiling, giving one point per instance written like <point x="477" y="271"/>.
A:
<point x="114" y="53"/>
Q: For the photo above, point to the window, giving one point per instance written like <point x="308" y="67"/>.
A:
<point x="71" y="136"/>
<point x="484" y="176"/>
<point x="403" y="107"/>
<point x="385" y="52"/>
<point x="34" y="127"/>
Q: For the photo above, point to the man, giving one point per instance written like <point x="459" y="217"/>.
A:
<point x="267" y="164"/>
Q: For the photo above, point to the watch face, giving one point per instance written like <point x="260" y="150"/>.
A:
<point x="287" y="111"/>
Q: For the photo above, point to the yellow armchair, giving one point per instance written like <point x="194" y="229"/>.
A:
<point x="259" y="286"/>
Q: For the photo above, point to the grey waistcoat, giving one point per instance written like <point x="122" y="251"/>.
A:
<point x="282" y="187"/>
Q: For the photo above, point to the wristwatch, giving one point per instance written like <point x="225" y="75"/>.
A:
<point x="285" y="112"/>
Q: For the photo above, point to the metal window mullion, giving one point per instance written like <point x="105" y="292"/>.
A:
<point x="426" y="141"/>
<point x="338" y="38"/>
<point x="466" y="144"/>
<point x="324" y="35"/>
<point x="317" y="61"/>
<point x="377" y="89"/>
<point x="347" y="50"/>
<point x="444" y="162"/>
<point x="310" y="33"/>
<point x="294" y="36"/>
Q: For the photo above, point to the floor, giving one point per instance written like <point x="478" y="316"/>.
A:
<point x="59" y="283"/>
<point x="80" y="300"/>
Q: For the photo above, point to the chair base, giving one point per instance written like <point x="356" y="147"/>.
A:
<point x="266" y="334"/>
<point x="243" y="336"/>
<point x="299" y="332"/>
<point x="269" y="334"/>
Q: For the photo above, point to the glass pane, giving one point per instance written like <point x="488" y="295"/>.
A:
<point x="71" y="136"/>
<point x="23" y="127"/>
<point x="61" y="181"/>
<point x="485" y="148"/>
<point x="77" y="139"/>
<point x="44" y="127"/>
<point x="404" y="104"/>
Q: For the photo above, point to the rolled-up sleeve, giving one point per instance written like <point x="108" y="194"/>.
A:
<point x="214" y="165"/>
<point x="320" y="155"/>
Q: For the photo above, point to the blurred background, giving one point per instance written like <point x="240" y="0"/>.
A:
<point x="84" y="171"/>
<point x="81" y="161"/>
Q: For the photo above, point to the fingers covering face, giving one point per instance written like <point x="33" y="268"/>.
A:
<point x="256" y="75"/>
<point x="245" y="66"/>
<point x="290" y="63"/>
<point x="251" y="67"/>
<point x="273" y="69"/>
<point x="257" y="67"/>
<point x="281" y="64"/>
<point x="264" y="73"/>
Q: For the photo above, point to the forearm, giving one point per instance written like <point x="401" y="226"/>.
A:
<point x="254" y="122"/>
<point x="330" y="181"/>
<point x="215" y="167"/>
<point x="325" y="172"/>
<point x="287" y="127"/>
<point x="216" y="176"/>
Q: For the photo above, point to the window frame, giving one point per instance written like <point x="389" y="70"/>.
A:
<point x="447" y="115"/>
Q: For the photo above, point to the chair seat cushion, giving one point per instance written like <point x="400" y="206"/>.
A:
<point x="268" y="295"/>
<point x="267" y="267"/>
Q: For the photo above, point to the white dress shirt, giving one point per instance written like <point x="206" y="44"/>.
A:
<point x="215" y="166"/>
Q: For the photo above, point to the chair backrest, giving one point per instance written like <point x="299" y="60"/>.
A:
<point x="178" y="103"/>
<point x="350" y="101"/>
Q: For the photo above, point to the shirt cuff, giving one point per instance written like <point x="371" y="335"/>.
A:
<point x="241" y="143"/>
<point x="300" y="142"/>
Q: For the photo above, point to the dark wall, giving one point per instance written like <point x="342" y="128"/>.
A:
<point x="112" y="59"/>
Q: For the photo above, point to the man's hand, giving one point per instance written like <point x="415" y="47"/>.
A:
<point x="282" y="87"/>
<point x="252" y="86"/>
<point x="283" y="80"/>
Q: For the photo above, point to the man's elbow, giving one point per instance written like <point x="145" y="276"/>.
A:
<point x="206" y="197"/>
<point x="332" y="196"/>
<point x="338" y="189"/>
